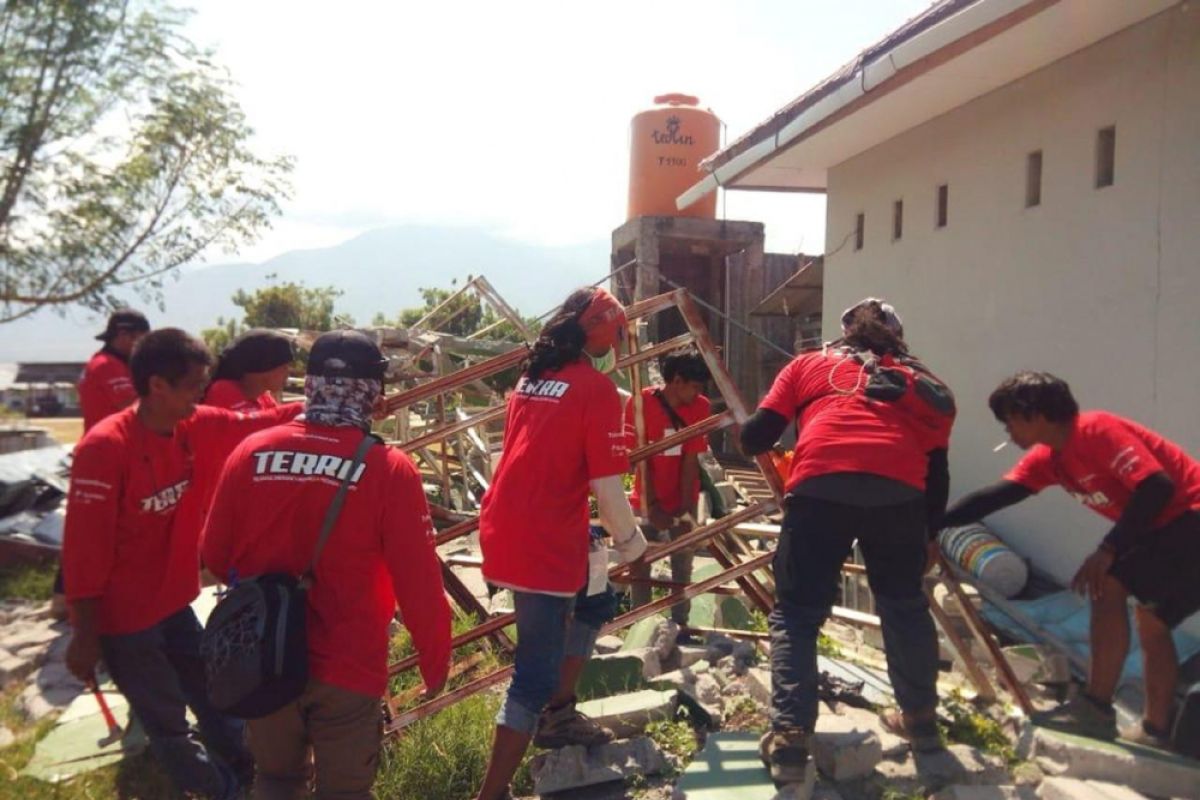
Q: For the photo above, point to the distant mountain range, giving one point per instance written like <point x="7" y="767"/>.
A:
<point x="380" y="270"/>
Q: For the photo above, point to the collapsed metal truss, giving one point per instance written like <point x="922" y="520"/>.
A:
<point x="447" y="440"/>
<point x="749" y="570"/>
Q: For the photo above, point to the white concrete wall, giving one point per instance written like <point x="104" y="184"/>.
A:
<point x="1100" y="286"/>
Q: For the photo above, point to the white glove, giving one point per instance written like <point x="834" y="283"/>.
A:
<point x="631" y="547"/>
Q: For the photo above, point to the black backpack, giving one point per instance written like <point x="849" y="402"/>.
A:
<point x="255" y="644"/>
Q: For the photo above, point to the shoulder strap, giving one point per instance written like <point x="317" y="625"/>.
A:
<point x="335" y="506"/>
<point x="676" y="420"/>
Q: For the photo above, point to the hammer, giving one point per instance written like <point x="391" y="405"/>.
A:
<point x="114" y="730"/>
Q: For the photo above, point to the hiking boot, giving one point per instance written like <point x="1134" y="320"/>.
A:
<point x="1147" y="736"/>
<point x="1081" y="715"/>
<point x="784" y="752"/>
<point x="920" y="730"/>
<point x="566" y="725"/>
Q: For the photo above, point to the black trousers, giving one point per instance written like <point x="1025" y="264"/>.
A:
<point x="817" y="536"/>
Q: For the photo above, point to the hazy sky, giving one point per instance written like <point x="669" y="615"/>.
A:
<point x="513" y="115"/>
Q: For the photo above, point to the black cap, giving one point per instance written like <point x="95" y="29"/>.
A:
<point x="124" y="319"/>
<point x="346" y="354"/>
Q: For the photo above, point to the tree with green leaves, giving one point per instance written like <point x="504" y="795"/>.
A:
<point x="123" y="154"/>
<point x="282" y="305"/>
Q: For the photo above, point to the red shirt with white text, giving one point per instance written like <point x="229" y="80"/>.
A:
<point x="270" y="503"/>
<point x="1104" y="460"/>
<point x="121" y="544"/>
<point x="562" y="431"/>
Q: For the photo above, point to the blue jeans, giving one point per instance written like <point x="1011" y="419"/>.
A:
<point x="161" y="675"/>
<point x="816" y="538"/>
<point x="549" y="628"/>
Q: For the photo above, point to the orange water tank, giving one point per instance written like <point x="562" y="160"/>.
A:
<point x="666" y="146"/>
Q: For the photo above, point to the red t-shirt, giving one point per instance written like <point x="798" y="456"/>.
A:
<point x="228" y="394"/>
<point x="105" y="387"/>
<point x="271" y="500"/>
<point x="562" y="431"/>
<point x="849" y="419"/>
<point x="121" y="544"/>
<point x="664" y="467"/>
<point x="1104" y="460"/>
<point x="207" y="461"/>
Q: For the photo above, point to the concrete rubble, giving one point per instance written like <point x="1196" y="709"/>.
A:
<point x="571" y="768"/>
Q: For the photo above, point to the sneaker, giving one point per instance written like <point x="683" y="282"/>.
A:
<point x="920" y="730"/>
<point x="566" y="725"/>
<point x="1147" y="736"/>
<point x="1083" y="716"/>
<point x="784" y="752"/>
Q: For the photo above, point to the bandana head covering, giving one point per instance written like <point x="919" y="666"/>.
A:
<point x="340" y="402"/>
<point x="603" y="320"/>
<point x="887" y="315"/>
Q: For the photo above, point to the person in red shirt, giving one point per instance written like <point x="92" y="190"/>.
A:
<point x="131" y="573"/>
<point x="563" y="436"/>
<point x="1150" y="489"/>
<point x="872" y="426"/>
<point x="246" y="374"/>
<point x="270" y="502"/>
<point x="106" y="387"/>
<point x="251" y="372"/>
<point x="667" y="504"/>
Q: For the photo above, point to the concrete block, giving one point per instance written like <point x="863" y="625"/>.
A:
<point x="758" y="683"/>
<point x="30" y="634"/>
<point x="847" y="755"/>
<point x="641" y="634"/>
<point x="7" y="737"/>
<point x="14" y="668"/>
<point x="575" y="767"/>
<point x="1142" y="769"/>
<point x="849" y="718"/>
<point x="707" y="692"/>
<point x="628" y="714"/>
<point x="957" y="764"/>
<point x="1072" y="789"/>
<point x="664" y="639"/>
<point x="609" y="644"/>
<point x="690" y="653"/>
<point x="967" y="792"/>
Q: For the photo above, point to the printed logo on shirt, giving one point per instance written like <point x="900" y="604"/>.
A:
<point x="1125" y="461"/>
<point x="1092" y="499"/>
<point x="166" y="499"/>
<point x="295" y="463"/>
<point x="547" y="388"/>
<point x="677" y="450"/>
<point x="89" y="490"/>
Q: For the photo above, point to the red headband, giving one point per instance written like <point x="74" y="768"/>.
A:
<point x="603" y="319"/>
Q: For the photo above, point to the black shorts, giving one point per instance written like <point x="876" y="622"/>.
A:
<point x="1161" y="571"/>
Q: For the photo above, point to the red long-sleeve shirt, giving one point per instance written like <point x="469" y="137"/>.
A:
<point x="270" y="502"/>
<point x="105" y="387"/>
<point x="121" y="543"/>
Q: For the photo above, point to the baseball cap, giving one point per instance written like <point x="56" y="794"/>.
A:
<point x="124" y="319"/>
<point x="887" y="315"/>
<point x="346" y="354"/>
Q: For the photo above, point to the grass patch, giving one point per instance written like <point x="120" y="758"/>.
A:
<point x="27" y="581"/>
<point x="972" y="727"/>
<point x="444" y="757"/>
<point x="675" y="737"/>
<point x="828" y="647"/>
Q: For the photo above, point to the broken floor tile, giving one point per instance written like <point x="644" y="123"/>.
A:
<point x="629" y="714"/>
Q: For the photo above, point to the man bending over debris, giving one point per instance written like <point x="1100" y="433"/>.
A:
<point x="1150" y="488"/>
<point x="563" y="435"/>
<point x="673" y="487"/>
<point x="270" y="502"/>
<point x="131" y="572"/>
<point x="873" y="425"/>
